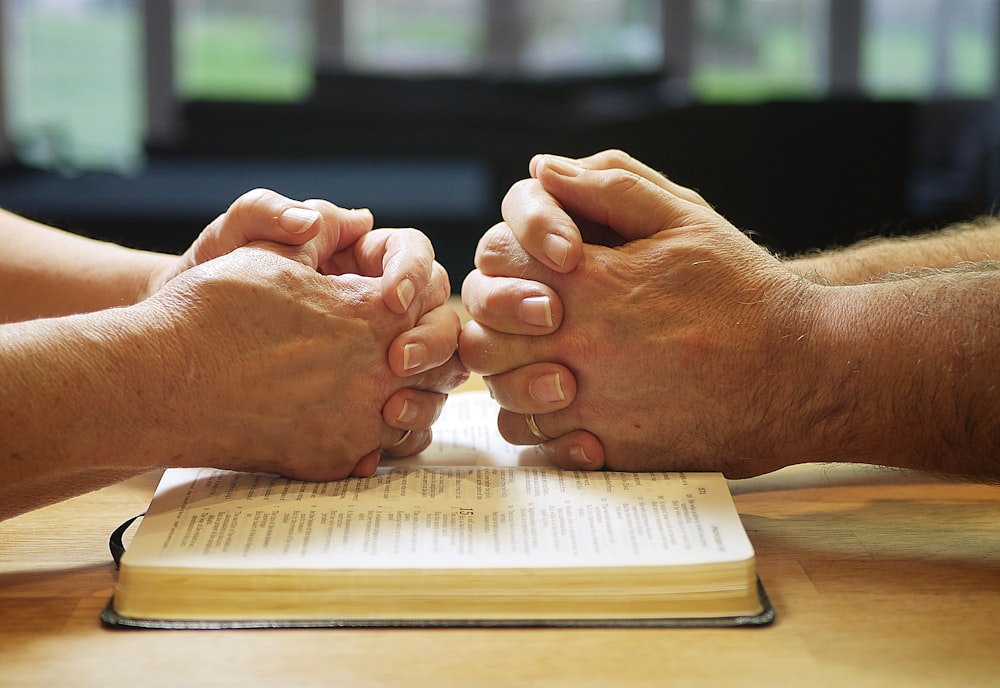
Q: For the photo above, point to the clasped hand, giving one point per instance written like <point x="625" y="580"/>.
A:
<point x="635" y="324"/>
<point x="302" y="341"/>
<point x="619" y="321"/>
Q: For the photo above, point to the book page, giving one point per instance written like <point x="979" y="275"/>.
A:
<point x="466" y="434"/>
<point x="491" y="512"/>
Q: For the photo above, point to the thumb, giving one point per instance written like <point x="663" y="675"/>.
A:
<point x="264" y="215"/>
<point x="622" y="200"/>
<point x="258" y="215"/>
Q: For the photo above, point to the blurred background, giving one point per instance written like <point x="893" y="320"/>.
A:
<point x="810" y="122"/>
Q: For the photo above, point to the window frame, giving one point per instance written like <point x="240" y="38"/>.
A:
<point x="163" y="105"/>
<point x="6" y="151"/>
<point x="505" y="36"/>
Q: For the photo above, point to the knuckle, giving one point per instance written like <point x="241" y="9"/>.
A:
<point x="448" y="376"/>
<point x="475" y="349"/>
<point x="470" y="346"/>
<point x="254" y="198"/>
<point x="254" y="205"/>
<point x="620" y="181"/>
<point x="440" y="282"/>
<point x="528" y="205"/>
<point x="520" y="188"/>
<point x="494" y="298"/>
<point x="493" y="246"/>
<point x="613" y="157"/>
<point x="536" y="220"/>
<point x="453" y="323"/>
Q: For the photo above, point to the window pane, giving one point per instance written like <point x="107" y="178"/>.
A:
<point x="73" y="81"/>
<point x="592" y="36"/>
<point x="917" y="48"/>
<point x="749" y="50"/>
<point x="412" y="36"/>
<point x="244" y="49"/>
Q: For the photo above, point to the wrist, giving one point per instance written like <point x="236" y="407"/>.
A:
<point x="162" y="382"/>
<point x="829" y="268"/>
<point x="87" y="392"/>
<point x="859" y="379"/>
<point x="149" y="272"/>
<point x="816" y="391"/>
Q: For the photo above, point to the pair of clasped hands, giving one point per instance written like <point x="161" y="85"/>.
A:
<point x="583" y="312"/>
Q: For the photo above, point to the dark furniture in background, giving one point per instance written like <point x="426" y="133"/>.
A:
<point x="439" y="154"/>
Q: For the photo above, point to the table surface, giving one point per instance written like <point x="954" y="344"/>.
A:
<point x="877" y="577"/>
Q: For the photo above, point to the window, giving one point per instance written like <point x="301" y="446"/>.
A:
<point x="551" y="37"/>
<point x="73" y="82"/>
<point x="415" y="36"/>
<point x="927" y="48"/>
<point x="756" y="49"/>
<point x="591" y="37"/>
<point x="243" y="49"/>
<point x="748" y="50"/>
<point x="75" y="90"/>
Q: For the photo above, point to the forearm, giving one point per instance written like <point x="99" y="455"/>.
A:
<point x="45" y="272"/>
<point x="78" y="403"/>
<point x="869" y="260"/>
<point x="910" y="373"/>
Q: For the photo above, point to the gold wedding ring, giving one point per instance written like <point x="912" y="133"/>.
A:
<point x="533" y="426"/>
<point x="406" y="436"/>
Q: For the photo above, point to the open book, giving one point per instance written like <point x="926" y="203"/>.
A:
<point x="473" y="531"/>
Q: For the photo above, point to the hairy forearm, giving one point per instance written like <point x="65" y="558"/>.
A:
<point x="870" y="260"/>
<point x="45" y="272"/>
<point x="911" y="373"/>
<point x="78" y="397"/>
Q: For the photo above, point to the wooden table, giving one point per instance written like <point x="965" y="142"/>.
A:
<point x="878" y="578"/>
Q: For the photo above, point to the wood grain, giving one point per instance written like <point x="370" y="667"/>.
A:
<point x="878" y="577"/>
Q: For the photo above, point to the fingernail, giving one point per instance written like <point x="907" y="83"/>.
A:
<point x="562" y="166"/>
<point x="405" y="291"/>
<point x="556" y="249"/>
<point x="536" y="310"/>
<point x="298" y="220"/>
<point x="413" y="356"/>
<point x="407" y="414"/>
<point x="579" y="456"/>
<point x="547" y="387"/>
